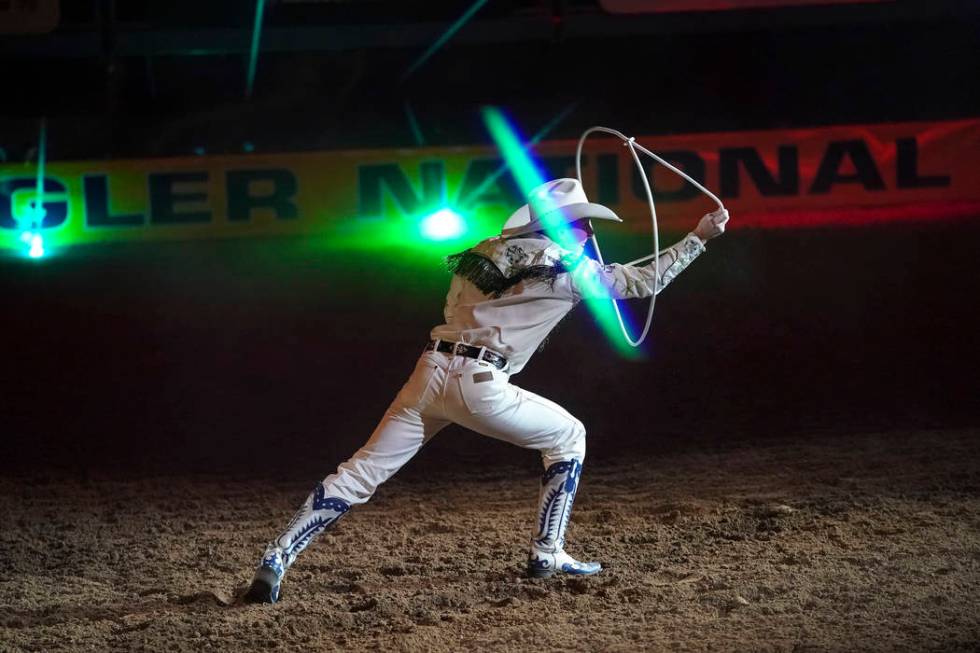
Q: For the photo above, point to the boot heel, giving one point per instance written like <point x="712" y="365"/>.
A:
<point x="539" y="566"/>
<point x="534" y="572"/>
<point x="264" y="587"/>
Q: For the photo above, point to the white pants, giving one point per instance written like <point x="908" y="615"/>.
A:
<point x="448" y="388"/>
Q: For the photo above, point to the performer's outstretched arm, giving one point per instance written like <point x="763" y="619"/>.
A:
<point x="591" y="279"/>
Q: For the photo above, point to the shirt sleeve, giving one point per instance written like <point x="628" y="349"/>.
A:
<point x="590" y="279"/>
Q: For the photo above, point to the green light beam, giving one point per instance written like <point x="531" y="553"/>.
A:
<point x="42" y="158"/>
<point x="253" y="58"/>
<point x="528" y="178"/>
<point x="413" y="123"/>
<point x="32" y="237"/>
<point x="544" y="131"/>
<point x="441" y="41"/>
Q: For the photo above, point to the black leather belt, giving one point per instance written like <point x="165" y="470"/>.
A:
<point x="470" y="351"/>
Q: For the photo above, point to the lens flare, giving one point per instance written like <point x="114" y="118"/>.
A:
<point x="441" y="41"/>
<point x="36" y="242"/>
<point x="442" y="225"/>
<point x="37" y="246"/>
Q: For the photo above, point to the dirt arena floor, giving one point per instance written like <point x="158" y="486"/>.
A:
<point x="862" y="543"/>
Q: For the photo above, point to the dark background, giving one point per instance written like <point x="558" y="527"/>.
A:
<point x="265" y="355"/>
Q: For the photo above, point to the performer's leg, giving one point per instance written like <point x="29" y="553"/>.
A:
<point x="405" y="427"/>
<point x="496" y="408"/>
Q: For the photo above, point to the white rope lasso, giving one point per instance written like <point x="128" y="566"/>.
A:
<point x="633" y="146"/>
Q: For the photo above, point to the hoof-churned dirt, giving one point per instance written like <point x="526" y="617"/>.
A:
<point x="845" y="544"/>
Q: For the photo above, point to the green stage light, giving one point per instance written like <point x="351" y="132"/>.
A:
<point x="35" y="243"/>
<point x="444" y="224"/>
<point x="32" y="236"/>
<point x="37" y="246"/>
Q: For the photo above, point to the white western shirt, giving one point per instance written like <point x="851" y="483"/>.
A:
<point x="515" y="323"/>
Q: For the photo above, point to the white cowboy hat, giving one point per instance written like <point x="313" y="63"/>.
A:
<point x="559" y="200"/>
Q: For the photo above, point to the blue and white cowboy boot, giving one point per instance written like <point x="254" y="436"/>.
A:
<point x="547" y="557"/>
<point x="317" y="513"/>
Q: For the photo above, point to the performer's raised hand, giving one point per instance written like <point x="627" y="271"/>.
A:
<point x="712" y="225"/>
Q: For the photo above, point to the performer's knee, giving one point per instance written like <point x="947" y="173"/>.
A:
<point x="356" y="480"/>
<point x="570" y="445"/>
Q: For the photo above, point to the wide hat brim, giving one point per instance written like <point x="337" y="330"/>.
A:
<point x="562" y="215"/>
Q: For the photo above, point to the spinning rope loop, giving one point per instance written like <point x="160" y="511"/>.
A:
<point x="633" y="146"/>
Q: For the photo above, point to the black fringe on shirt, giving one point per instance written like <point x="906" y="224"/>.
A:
<point x="486" y="276"/>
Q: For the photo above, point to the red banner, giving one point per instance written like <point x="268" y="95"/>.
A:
<point x="841" y="175"/>
<point x="853" y="174"/>
<point x="671" y="6"/>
